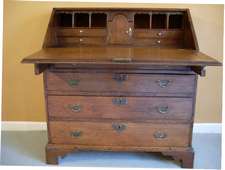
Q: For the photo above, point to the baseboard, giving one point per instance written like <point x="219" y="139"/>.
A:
<point x="23" y="126"/>
<point x="207" y="128"/>
<point x="27" y="126"/>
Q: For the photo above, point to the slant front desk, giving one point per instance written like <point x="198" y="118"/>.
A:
<point x="120" y="80"/>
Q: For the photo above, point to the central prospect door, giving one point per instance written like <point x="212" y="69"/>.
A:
<point x="120" y="30"/>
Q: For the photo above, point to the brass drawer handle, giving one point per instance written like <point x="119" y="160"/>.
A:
<point x="160" y="34"/>
<point x="163" y="109"/>
<point x="76" y="133"/>
<point x="122" y="60"/>
<point x="119" y="127"/>
<point x="129" y="32"/>
<point x="160" y="135"/>
<point x="73" y="82"/>
<point x="75" y="107"/>
<point x="163" y="83"/>
<point x="158" y="41"/>
<point x="120" y="101"/>
<point x="120" y="77"/>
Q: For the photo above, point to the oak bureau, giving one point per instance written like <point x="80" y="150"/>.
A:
<point x="120" y="80"/>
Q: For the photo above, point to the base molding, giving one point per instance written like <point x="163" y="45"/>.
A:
<point x="184" y="155"/>
<point x="39" y="126"/>
<point x="186" y="158"/>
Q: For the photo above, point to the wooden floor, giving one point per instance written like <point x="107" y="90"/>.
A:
<point x="27" y="148"/>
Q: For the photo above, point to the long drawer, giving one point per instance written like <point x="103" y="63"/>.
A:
<point x="120" y="134"/>
<point x="126" y="83"/>
<point x="120" y="108"/>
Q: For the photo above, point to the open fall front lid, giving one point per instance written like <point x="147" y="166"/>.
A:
<point x="116" y="55"/>
<point x="150" y="37"/>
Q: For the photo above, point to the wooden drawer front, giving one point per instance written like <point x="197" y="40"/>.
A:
<point x="126" y="108"/>
<point x="121" y="83"/>
<point x="120" y="134"/>
<point x="67" y="32"/>
<point x="70" y="41"/>
<point x="158" y="42"/>
<point x="173" y="34"/>
<point x="92" y="41"/>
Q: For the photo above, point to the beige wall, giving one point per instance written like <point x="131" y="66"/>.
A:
<point x="25" y="25"/>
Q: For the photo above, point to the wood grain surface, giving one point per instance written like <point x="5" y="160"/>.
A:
<point x="104" y="55"/>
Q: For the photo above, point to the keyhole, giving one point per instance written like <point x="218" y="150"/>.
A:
<point x="118" y="127"/>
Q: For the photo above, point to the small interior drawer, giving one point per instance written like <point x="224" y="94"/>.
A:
<point x="158" y="42"/>
<point x="81" y="32"/>
<point x="157" y="33"/>
<point x="70" y="41"/>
